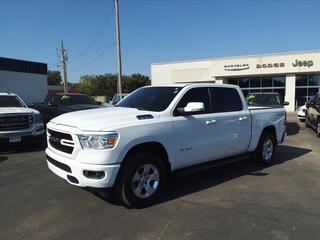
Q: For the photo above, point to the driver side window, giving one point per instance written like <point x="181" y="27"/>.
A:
<point x="195" y="95"/>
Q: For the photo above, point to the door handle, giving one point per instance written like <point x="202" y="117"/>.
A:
<point x="209" y="122"/>
<point x="242" y="118"/>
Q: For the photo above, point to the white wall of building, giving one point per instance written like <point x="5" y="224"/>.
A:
<point x="29" y="86"/>
<point x="219" y="69"/>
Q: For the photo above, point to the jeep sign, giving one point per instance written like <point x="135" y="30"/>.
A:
<point x="304" y="63"/>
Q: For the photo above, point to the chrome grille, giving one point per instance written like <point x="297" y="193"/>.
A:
<point x="15" y="122"/>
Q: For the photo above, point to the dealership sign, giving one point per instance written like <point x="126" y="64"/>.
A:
<point x="304" y="63"/>
<point x="270" y="65"/>
<point x="236" y="67"/>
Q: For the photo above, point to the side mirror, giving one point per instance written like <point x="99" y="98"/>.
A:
<point x="286" y="103"/>
<point x="192" y="107"/>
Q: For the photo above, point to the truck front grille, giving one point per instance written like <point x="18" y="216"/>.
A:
<point x="55" y="140"/>
<point x="15" y="122"/>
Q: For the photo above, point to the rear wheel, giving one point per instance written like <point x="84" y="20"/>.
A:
<point x="265" y="149"/>
<point x="142" y="179"/>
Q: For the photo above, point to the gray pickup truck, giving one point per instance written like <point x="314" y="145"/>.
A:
<point x="18" y="122"/>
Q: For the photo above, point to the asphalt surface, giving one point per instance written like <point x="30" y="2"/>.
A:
<point x="234" y="201"/>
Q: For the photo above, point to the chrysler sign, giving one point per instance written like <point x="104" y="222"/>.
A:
<point x="236" y="67"/>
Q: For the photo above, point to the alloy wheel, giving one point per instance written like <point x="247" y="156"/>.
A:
<point x="267" y="149"/>
<point x="145" y="181"/>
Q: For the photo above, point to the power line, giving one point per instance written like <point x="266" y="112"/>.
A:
<point x="96" y="36"/>
<point x="94" y="50"/>
<point x="92" y="60"/>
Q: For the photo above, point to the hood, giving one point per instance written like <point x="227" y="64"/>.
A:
<point x="77" y="107"/>
<point x="105" y="118"/>
<point x="17" y="110"/>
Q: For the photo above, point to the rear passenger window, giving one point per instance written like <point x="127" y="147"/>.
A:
<point x="195" y="95"/>
<point x="225" y="100"/>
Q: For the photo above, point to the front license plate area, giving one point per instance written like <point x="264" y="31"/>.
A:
<point x="14" y="139"/>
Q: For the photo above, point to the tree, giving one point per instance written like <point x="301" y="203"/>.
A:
<point x="106" y="84"/>
<point x="54" y="78"/>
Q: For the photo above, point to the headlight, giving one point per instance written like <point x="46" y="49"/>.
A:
<point x="38" y="118"/>
<point x="98" y="141"/>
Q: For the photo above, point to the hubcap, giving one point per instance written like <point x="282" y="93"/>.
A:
<point x="145" y="181"/>
<point x="267" y="150"/>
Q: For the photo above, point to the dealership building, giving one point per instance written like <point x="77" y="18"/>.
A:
<point x="295" y="75"/>
<point x="24" y="78"/>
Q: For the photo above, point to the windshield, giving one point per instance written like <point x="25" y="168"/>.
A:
<point x="10" y="101"/>
<point x="67" y="100"/>
<point x="263" y="99"/>
<point x="155" y="99"/>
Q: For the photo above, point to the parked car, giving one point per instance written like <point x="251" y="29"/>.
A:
<point x="18" y="122"/>
<point x="313" y="113"/>
<point x="156" y="130"/>
<point x="265" y="99"/>
<point x="59" y="103"/>
<point x="302" y="113"/>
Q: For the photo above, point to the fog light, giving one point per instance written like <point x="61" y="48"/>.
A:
<point x="93" y="174"/>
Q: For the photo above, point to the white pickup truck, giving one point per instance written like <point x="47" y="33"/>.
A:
<point x="134" y="146"/>
<point x="17" y="121"/>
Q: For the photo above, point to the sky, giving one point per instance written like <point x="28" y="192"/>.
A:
<point x="153" y="31"/>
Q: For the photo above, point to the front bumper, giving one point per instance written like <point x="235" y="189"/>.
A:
<point x="301" y="114"/>
<point x="36" y="130"/>
<point x="71" y="170"/>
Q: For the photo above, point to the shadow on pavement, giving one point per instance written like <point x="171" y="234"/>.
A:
<point x="25" y="147"/>
<point x="180" y="186"/>
<point x="292" y="128"/>
<point x="3" y="158"/>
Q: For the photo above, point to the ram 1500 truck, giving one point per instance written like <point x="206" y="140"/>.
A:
<point x="134" y="146"/>
<point x="17" y="121"/>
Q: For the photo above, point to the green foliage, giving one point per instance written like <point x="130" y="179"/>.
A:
<point x="54" y="78"/>
<point x="106" y="84"/>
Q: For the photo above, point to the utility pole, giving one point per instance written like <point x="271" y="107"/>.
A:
<point x="64" y="59"/>
<point x="116" y="5"/>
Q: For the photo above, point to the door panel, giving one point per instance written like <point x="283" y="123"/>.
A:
<point x="195" y="139"/>
<point x="194" y="134"/>
<point x="233" y="122"/>
<point x="233" y="131"/>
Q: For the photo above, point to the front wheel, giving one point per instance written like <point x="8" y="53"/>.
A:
<point x="307" y="124"/>
<point x="142" y="179"/>
<point x="265" y="149"/>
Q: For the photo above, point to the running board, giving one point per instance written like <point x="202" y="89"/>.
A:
<point x="207" y="165"/>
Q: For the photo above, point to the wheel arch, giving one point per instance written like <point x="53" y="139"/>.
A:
<point x="155" y="147"/>
<point x="270" y="129"/>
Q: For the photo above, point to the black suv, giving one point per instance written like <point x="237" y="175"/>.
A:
<point x="313" y="113"/>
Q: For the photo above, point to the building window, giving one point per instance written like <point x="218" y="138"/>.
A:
<point x="266" y="81"/>
<point x="260" y="84"/>
<point x="306" y="87"/>
<point x="244" y="82"/>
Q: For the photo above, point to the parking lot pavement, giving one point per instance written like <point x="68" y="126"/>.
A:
<point x="235" y="201"/>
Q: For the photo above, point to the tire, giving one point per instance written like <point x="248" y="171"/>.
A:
<point x="264" y="153"/>
<point x="142" y="179"/>
<point x="318" y="128"/>
<point x="307" y="124"/>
